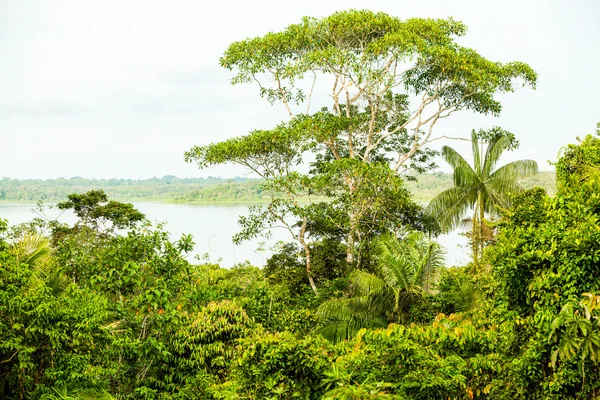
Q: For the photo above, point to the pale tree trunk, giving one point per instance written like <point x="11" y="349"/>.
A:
<point x="350" y="249"/>
<point x="301" y="239"/>
<point x="351" y="241"/>
<point x="359" y="255"/>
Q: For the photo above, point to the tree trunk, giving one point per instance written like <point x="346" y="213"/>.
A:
<point x="474" y="242"/>
<point x="351" y="241"/>
<point x="311" y="281"/>
<point x="481" y="219"/>
<point x="359" y="254"/>
<point x="350" y="249"/>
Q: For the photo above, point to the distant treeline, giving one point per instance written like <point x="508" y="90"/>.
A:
<point x="166" y="188"/>
<point x="202" y="190"/>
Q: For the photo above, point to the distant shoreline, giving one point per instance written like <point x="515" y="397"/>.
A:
<point x="216" y="191"/>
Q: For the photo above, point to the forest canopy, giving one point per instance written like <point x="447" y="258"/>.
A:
<point x="359" y="303"/>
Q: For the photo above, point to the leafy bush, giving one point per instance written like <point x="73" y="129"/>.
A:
<point x="281" y="366"/>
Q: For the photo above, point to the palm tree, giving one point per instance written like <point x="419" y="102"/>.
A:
<point x="407" y="270"/>
<point x="481" y="188"/>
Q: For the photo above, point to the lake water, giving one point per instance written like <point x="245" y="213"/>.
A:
<point x="212" y="226"/>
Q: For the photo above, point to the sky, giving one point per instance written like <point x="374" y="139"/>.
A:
<point x="121" y="88"/>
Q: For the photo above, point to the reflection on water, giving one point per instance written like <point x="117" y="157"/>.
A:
<point x="212" y="226"/>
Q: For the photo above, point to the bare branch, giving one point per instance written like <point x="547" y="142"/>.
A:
<point x="350" y="138"/>
<point x="283" y="95"/>
<point x="336" y="95"/>
<point x="370" y="133"/>
<point x="311" y="91"/>
<point x="449" y="138"/>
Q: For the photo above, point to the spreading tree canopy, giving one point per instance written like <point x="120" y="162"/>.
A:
<point x="381" y="84"/>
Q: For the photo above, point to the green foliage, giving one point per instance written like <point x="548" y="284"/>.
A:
<point x="198" y="353"/>
<point x="548" y="253"/>
<point x="407" y="271"/>
<point x="577" y="162"/>
<point x="407" y="368"/>
<point x="545" y="259"/>
<point x="3" y="232"/>
<point x="95" y="211"/>
<point x="377" y="196"/>
<point x="49" y="336"/>
<point x="357" y="41"/>
<point x="577" y="329"/>
<point x="62" y="393"/>
<point x="457" y="291"/>
<point x="286" y="269"/>
<point x="347" y="390"/>
<point x="113" y="314"/>
<point x="275" y="366"/>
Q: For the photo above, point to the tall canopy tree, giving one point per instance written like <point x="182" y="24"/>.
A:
<point x="481" y="187"/>
<point x="382" y="85"/>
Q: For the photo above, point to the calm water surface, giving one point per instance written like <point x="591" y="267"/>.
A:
<point x="212" y="226"/>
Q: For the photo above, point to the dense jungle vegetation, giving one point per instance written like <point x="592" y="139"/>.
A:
<point x="359" y="304"/>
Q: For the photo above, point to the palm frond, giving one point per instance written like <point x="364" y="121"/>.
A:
<point x="516" y="170"/>
<point x="466" y="297"/>
<point x="450" y="206"/>
<point x="432" y="263"/>
<point x="365" y="284"/>
<point x="52" y="276"/>
<point x="499" y="192"/>
<point x="403" y="265"/>
<point x="494" y="150"/>
<point x="465" y="177"/>
<point x="476" y="153"/>
<point x="478" y="188"/>
<point x="457" y="161"/>
<point x="591" y="174"/>
<point x="396" y="266"/>
<point x="342" y="318"/>
<point x="61" y="393"/>
<point x="31" y="249"/>
<point x="466" y="223"/>
<point x="353" y="308"/>
<point x="338" y="331"/>
<point x="407" y="298"/>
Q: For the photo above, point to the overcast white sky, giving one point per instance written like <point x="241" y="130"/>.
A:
<point x="121" y="88"/>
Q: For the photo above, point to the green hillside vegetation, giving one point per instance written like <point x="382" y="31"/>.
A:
<point x="171" y="189"/>
<point x="166" y="188"/>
